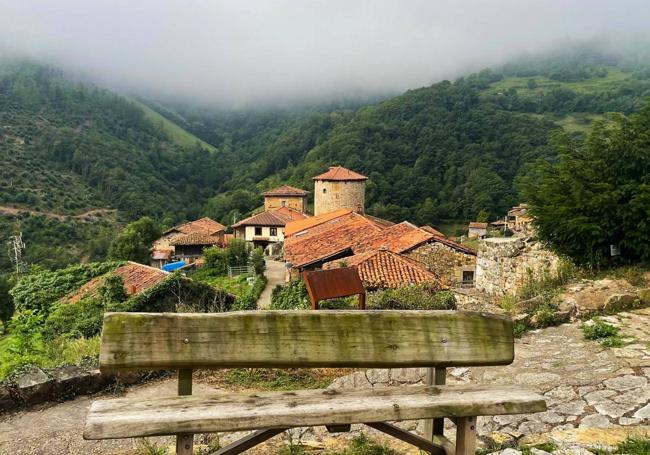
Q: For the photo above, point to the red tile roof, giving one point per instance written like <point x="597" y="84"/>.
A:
<point x="136" y="278"/>
<point x="161" y="254"/>
<point x="398" y="238"/>
<point x="278" y="217"/>
<point x="285" y="190"/>
<point x="477" y="225"/>
<point x="325" y="240"/>
<point x="308" y="223"/>
<point x="433" y="231"/>
<point x="382" y="223"/>
<point x="340" y="173"/>
<point x="196" y="239"/>
<point x="203" y="226"/>
<point x="385" y="269"/>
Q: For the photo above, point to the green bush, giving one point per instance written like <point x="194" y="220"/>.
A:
<point x="257" y="260"/>
<point x="292" y="296"/>
<point x="249" y="301"/>
<point x="599" y="330"/>
<point x="216" y="261"/>
<point x="79" y="319"/>
<point x="421" y="297"/>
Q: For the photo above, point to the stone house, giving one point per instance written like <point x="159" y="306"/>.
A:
<point x="164" y="249"/>
<point x="285" y="196"/>
<point x="266" y="229"/>
<point x="477" y="229"/>
<point x="518" y="219"/>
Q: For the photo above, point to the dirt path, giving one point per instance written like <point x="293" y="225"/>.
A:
<point x="86" y="216"/>
<point x="275" y="273"/>
<point x="593" y="393"/>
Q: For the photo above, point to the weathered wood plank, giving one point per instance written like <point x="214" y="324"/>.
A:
<point x="435" y="376"/>
<point x="441" y="446"/>
<point x="134" y="417"/>
<point x="185" y="442"/>
<point x="251" y="440"/>
<point x="466" y="436"/>
<point x="296" y="339"/>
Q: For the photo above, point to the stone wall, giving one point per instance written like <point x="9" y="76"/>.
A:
<point x="446" y="263"/>
<point x="293" y="202"/>
<point x="334" y="195"/>
<point x="504" y="264"/>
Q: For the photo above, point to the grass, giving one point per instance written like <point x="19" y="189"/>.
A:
<point x="360" y="445"/>
<point x="177" y="134"/>
<point x="144" y="447"/>
<point x="273" y="379"/>
<point x="631" y="446"/>
<point x="605" y="334"/>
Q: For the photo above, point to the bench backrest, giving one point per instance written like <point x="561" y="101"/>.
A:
<point x="303" y="339"/>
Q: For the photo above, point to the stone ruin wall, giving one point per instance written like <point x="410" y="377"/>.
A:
<point x="504" y="264"/>
<point x="444" y="262"/>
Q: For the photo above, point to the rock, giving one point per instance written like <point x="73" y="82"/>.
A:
<point x="598" y="396"/>
<point x="595" y="421"/>
<point x="532" y="427"/>
<point x="500" y="439"/>
<point x="508" y="419"/>
<point x="626" y="382"/>
<point x="644" y="296"/>
<point x="7" y="400"/>
<point x="530" y="305"/>
<point x="626" y="421"/>
<point x="459" y="372"/>
<point x="572" y="408"/>
<point x="538" y="378"/>
<point x="621" y="302"/>
<point x="643" y="413"/>
<point x="568" y="306"/>
<point x="562" y="394"/>
<point x="34" y="386"/>
<point x="613" y="409"/>
<point x="573" y="451"/>
<point x="536" y="451"/>
<point x="549" y="417"/>
<point x="507" y="451"/>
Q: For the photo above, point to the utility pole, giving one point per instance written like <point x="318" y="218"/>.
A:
<point x="16" y="250"/>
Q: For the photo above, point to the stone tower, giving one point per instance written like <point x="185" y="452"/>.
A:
<point x="339" y="188"/>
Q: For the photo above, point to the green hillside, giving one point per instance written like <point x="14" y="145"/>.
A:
<point x="434" y="155"/>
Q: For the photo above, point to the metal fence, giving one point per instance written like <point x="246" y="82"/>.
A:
<point x="246" y="270"/>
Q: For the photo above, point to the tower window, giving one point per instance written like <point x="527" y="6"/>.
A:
<point x="283" y="203"/>
<point x="324" y="190"/>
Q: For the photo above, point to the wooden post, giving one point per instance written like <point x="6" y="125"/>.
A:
<point x="362" y="301"/>
<point x="185" y="442"/>
<point x="435" y="376"/>
<point x="465" y="435"/>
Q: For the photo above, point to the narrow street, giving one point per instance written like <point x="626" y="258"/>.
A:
<point x="275" y="273"/>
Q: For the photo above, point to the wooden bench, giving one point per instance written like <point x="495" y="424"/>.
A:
<point x="305" y="339"/>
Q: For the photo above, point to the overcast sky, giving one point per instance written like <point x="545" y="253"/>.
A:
<point x="252" y="51"/>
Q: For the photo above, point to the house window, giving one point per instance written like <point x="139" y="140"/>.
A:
<point x="258" y="231"/>
<point x="283" y="203"/>
<point x="468" y="277"/>
<point x="324" y="190"/>
<point x="274" y="231"/>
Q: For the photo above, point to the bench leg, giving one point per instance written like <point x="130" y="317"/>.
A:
<point x="185" y="444"/>
<point x="432" y="427"/>
<point x="466" y="435"/>
<point x="245" y="443"/>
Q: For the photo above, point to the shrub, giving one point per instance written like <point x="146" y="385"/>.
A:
<point x="605" y="334"/>
<point x="257" y="260"/>
<point x="249" y="301"/>
<point x="421" y="297"/>
<point x="79" y="319"/>
<point x="216" y="261"/>
<point x="292" y="296"/>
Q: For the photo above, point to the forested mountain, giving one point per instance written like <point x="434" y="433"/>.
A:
<point x="443" y="152"/>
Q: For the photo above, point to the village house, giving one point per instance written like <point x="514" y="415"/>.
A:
<point x="518" y="218"/>
<point x="266" y="229"/>
<point x="136" y="278"/>
<point x="477" y="230"/>
<point x="187" y="241"/>
<point x="285" y="196"/>
<point x="382" y="269"/>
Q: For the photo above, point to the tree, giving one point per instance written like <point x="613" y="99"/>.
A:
<point x="6" y="301"/>
<point x="216" y="259"/>
<point x="597" y="194"/>
<point x="532" y="83"/>
<point x="257" y="259"/>
<point x="132" y="244"/>
<point x="483" y="216"/>
<point x="238" y="252"/>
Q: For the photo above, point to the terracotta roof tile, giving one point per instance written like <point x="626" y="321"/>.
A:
<point x="136" y="278"/>
<point x="203" y="226"/>
<point x="477" y="225"/>
<point x="308" y="223"/>
<point x="285" y="190"/>
<point x="385" y="269"/>
<point x="327" y="239"/>
<point x="278" y="217"/>
<point x="398" y="238"/>
<point x="340" y="173"/>
<point x="196" y="239"/>
<point x="433" y="231"/>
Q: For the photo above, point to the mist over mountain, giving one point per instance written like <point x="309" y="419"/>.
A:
<point x="247" y="54"/>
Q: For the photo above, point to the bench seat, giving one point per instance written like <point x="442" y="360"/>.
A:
<point x="224" y="412"/>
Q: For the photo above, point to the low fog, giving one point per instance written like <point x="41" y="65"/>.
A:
<point x="254" y="51"/>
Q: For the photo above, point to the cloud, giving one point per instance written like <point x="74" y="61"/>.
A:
<point x="254" y="51"/>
